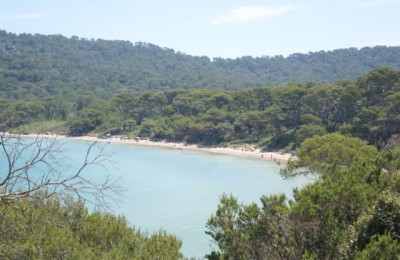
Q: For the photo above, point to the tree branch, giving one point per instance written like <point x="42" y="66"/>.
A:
<point x="34" y="169"/>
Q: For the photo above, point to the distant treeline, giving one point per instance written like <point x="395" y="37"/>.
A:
<point x="42" y="66"/>
<point x="271" y="117"/>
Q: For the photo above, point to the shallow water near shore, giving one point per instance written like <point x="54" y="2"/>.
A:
<point x="178" y="190"/>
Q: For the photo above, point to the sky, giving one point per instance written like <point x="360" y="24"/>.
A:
<point x="214" y="28"/>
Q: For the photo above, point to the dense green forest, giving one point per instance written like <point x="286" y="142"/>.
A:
<point x="42" y="66"/>
<point x="269" y="117"/>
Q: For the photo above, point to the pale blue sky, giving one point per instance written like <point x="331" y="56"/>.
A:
<point x="217" y="28"/>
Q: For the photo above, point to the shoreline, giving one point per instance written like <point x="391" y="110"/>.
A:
<point x="239" y="150"/>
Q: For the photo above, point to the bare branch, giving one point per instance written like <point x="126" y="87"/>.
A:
<point x="36" y="168"/>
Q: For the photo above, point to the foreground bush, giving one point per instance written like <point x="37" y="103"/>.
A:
<point x="51" y="230"/>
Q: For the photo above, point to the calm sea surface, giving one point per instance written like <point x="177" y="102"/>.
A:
<point x="177" y="191"/>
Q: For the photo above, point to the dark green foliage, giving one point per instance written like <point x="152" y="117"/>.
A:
<point x="42" y="66"/>
<point x="250" y="232"/>
<point x="382" y="247"/>
<point x="59" y="78"/>
<point x="323" y="211"/>
<point x="385" y="218"/>
<point x="99" y="86"/>
<point x="49" y="230"/>
<point x="351" y="211"/>
<point x="269" y="117"/>
<point x="320" y="153"/>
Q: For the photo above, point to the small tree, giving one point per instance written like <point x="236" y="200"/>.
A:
<point x="33" y="168"/>
<point x="320" y="153"/>
<point x="252" y="232"/>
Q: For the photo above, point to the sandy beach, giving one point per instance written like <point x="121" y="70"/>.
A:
<point x="239" y="150"/>
<point x="234" y="151"/>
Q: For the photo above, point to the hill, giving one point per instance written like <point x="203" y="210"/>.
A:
<point x="54" y="65"/>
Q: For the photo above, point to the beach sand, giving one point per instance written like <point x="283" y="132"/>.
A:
<point x="239" y="150"/>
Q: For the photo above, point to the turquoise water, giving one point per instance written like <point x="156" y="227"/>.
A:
<point x="177" y="191"/>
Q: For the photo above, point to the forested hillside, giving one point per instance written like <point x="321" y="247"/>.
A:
<point x="42" y="66"/>
<point x="269" y="117"/>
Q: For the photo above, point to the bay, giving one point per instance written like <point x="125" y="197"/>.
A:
<point x="178" y="190"/>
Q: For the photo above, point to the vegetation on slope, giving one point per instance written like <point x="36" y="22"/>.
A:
<point x="270" y="117"/>
<point x="31" y="229"/>
<point x="351" y="211"/>
<point x="42" y="66"/>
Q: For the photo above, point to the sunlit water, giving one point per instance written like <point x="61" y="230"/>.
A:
<point x="177" y="190"/>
